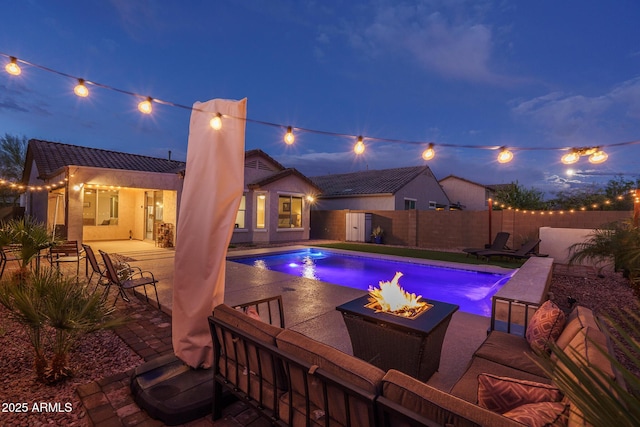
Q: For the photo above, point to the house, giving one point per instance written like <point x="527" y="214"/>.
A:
<point x="276" y="202"/>
<point x="93" y="194"/>
<point x="467" y="195"/>
<point x="387" y="189"/>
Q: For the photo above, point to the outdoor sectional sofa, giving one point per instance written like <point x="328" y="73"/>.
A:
<point x="294" y="380"/>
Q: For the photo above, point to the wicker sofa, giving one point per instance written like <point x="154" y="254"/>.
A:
<point x="294" y="380"/>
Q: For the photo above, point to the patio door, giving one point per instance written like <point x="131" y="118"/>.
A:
<point x="153" y="205"/>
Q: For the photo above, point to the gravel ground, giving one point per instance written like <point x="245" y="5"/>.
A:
<point x="97" y="356"/>
<point x="104" y="354"/>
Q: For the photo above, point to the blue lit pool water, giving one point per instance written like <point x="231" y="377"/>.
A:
<point x="471" y="290"/>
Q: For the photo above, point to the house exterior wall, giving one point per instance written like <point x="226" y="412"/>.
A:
<point x="130" y="200"/>
<point x="423" y="189"/>
<point x="473" y="197"/>
<point x="290" y="185"/>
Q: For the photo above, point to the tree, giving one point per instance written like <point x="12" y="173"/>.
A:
<point x="13" y="152"/>
<point x="518" y="197"/>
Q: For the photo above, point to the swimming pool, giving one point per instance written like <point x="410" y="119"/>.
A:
<point x="470" y="289"/>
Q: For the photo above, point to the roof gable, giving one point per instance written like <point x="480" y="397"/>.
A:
<point x="454" y="177"/>
<point x="385" y="181"/>
<point x="51" y="157"/>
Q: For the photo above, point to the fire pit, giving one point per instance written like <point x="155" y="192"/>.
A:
<point x="409" y="340"/>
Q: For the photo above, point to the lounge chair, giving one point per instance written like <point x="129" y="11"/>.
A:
<point x="499" y="244"/>
<point x="129" y="278"/>
<point x="524" y="251"/>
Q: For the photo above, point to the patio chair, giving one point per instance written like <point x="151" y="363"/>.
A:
<point x="66" y="251"/>
<point x="91" y="260"/>
<point x="130" y="277"/>
<point x="524" y="251"/>
<point x="499" y="244"/>
<point x="7" y="255"/>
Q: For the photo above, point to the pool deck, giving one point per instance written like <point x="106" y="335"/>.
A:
<point x="309" y="304"/>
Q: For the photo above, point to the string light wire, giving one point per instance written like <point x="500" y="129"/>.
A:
<point x="303" y="129"/>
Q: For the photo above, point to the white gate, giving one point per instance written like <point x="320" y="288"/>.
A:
<point x="358" y="227"/>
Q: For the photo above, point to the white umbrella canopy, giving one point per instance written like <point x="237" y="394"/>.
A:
<point x="211" y="194"/>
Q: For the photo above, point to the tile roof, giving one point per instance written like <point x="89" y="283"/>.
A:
<point x="52" y="157"/>
<point x="385" y="181"/>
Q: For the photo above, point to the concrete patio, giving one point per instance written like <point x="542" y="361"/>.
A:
<point x="309" y="304"/>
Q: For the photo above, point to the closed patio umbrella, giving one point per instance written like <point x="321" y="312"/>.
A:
<point x="211" y="195"/>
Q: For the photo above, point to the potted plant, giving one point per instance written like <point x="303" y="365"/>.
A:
<point x="376" y="234"/>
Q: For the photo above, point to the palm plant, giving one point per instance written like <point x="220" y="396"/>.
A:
<point x="602" y="400"/>
<point x="617" y="243"/>
<point x="56" y="312"/>
<point x="28" y="235"/>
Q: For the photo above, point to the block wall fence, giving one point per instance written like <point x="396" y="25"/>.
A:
<point x="454" y="230"/>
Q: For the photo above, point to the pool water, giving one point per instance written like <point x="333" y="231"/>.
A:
<point x="471" y="290"/>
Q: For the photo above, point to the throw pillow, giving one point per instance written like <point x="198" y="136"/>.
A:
<point x="501" y="394"/>
<point x="546" y="325"/>
<point x="541" y="414"/>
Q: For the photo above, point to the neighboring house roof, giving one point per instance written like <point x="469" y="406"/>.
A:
<point x="259" y="153"/>
<point x="384" y="181"/>
<point x="279" y="175"/>
<point x="463" y="179"/>
<point x="51" y="158"/>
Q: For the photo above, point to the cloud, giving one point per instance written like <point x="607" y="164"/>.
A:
<point x="444" y="40"/>
<point x="579" y="117"/>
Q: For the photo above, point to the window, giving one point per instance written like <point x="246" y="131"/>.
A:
<point x="432" y="204"/>
<point x="409" y="204"/>
<point x="242" y="210"/>
<point x="100" y="207"/>
<point x="261" y="214"/>
<point x="289" y="212"/>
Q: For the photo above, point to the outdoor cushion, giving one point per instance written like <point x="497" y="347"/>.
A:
<point x="467" y="386"/>
<point x="436" y="405"/>
<point x="502" y="394"/>
<point x="584" y="347"/>
<point x="541" y="414"/>
<point x="510" y="350"/>
<point x="546" y="325"/>
<point x="347" y="368"/>
<point x="580" y="317"/>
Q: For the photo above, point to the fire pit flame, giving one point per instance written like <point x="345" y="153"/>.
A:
<point x="391" y="298"/>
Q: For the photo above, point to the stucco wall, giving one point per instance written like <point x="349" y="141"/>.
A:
<point x="424" y="188"/>
<point x="383" y="202"/>
<point x="472" y="196"/>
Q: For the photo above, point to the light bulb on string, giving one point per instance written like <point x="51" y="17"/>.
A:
<point x="145" y="106"/>
<point x="505" y="155"/>
<point x="216" y="122"/>
<point x="598" y="156"/>
<point x="12" y="67"/>
<point x="80" y="89"/>
<point x="359" y="147"/>
<point x="289" y="137"/>
<point x="429" y="153"/>
<point x="570" y="158"/>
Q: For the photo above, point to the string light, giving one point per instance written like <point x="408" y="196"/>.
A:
<point x="359" y="147"/>
<point x="145" y="106"/>
<point x="216" y="122"/>
<point x="505" y="155"/>
<point x="80" y="89"/>
<point x="597" y="155"/>
<point x="12" y="67"/>
<point x="429" y="153"/>
<point x="289" y="137"/>
<point x="570" y="158"/>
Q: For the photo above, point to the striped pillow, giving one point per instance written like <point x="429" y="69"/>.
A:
<point x="543" y="414"/>
<point x="502" y="394"/>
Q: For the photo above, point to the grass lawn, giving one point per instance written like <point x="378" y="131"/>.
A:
<point x="422" y="253"/>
